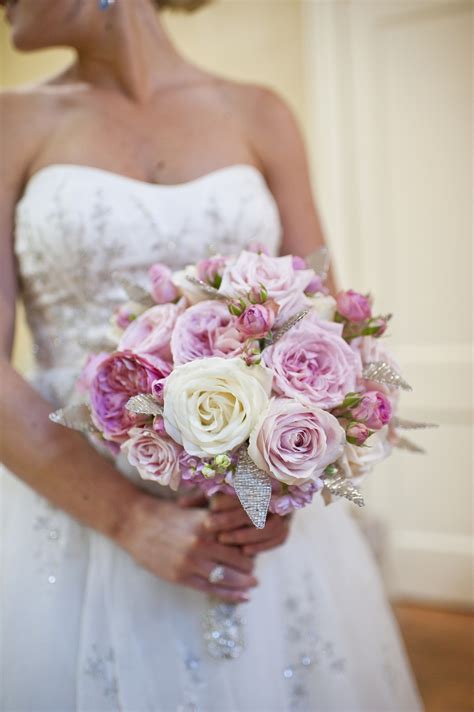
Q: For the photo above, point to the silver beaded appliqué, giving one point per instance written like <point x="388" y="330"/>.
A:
<point x="100" y="666"/>
<point x="223" y="630"/>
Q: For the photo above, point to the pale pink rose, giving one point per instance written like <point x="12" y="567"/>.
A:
<point x="258" y="248"/>
<point x="257" y="320"/>
<point x="374" y="409"/>
<point x="211" y="270"/>
<point x="317" y="286"/>
<point x="314" y="364"/>
<point x="89" y="370"/>
<point x="118" y="377"/>
<point x="299" y="262"/>
<point x="295" y="443"/>
<point x="206" y="329"/>
<point x="162" y="288"/>
<point x="353" y="306"/>
<point x="155" y="457"/>
<point x="151" y="332"/>
<point x="277" y="275"/>
<point x="357" y="433"/>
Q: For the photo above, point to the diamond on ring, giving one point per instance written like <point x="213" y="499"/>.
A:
<point x="217" y="574"/>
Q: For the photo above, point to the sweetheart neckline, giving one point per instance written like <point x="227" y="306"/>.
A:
<point x="164" y="186"/>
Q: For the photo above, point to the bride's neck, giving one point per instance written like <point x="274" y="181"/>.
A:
<point x="129" y="51"/>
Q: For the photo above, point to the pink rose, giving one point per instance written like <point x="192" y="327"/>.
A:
<point x="374" y="409"/>
<point x="151" y="332"/>
<point x="277" y="275"/>
<point x="118" y="377"/>
<point x="259" y="248"/>
<point x="257" y="320"/>
<point x="357" y="433"/>
<point x="89" y="370"/>
<point x="211" y="270"/>
<point x="353" y="306"/>
<point x="372" y="349"/>
<point x="162" y="287"/>
<point x="295" y="443"/>
<point x="206" y="329"/>
<point x="298" y="262"/>
<point x="155" y="457"/>
<point x="317" y="286"/>
<point x="314" y="364"/>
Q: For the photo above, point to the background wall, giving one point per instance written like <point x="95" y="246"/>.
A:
<point x="383" y="92"/>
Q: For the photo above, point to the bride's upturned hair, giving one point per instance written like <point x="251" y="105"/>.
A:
<point x="186" y="5"/>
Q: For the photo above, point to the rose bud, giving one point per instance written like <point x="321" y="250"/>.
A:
<point x="259" y="248"/>
<point x="157" y="388"/>
<point x="299" y="262"/>
<point x="378" y="326"/>
<point x="256" y="321"/>
<point x="236" y="306"/>
<point x="159" y="425"/>
<point x="211" y="270"/>
<point x="357" y="433"/>
<point x="353" y="306"/>
<point x="123" y="316"/>
<point x="374" y="410"/>
<point x="258" y="295"/>
<point x="162" y="287"/>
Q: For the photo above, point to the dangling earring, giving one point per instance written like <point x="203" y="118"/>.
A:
<point x="105" y="4"/>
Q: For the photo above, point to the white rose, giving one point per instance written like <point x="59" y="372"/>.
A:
<point x="190" y="291"/>
<point x="363" y="459"/>
<point x="211" y="405"/>
<point x="323" y="306"/>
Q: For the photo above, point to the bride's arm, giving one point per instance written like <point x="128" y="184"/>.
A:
<point x="278" y="142"/>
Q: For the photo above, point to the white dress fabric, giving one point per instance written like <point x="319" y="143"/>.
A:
<point x="84" y="628"/>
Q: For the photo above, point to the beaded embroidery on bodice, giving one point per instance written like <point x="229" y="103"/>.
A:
<point x="77" y="225"/>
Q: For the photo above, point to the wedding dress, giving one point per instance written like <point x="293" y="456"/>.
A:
<point x="83" y="626"/>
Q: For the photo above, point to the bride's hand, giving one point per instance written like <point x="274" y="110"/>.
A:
<point x="178" y="544"/>
<point x="235" y="528"/>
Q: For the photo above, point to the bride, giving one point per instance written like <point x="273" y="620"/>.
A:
<point x="133" y="155"/>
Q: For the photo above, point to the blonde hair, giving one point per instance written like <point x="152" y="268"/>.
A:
<point x="186" y="5"/>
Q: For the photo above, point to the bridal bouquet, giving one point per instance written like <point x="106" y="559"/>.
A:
<point x="242" y="375"/>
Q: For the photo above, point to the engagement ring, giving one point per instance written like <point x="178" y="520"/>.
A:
<point x="217" y="574"/>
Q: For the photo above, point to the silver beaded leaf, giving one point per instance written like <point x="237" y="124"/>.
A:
<point x="340" y="486"/>
<point x="319" y="261"/>
<point x="284" y="328"/>
<point x="409" y="445"/>
<point x="253" y="488"/>
<point x="144" y="404"/>
<point x="211" y="292"/>
<point x="76" y="417"/>
<point x="405" y="424"/>
<point x="223" y="630"/>
<point x="134" y="291"/>
<point x="382" y="372"/>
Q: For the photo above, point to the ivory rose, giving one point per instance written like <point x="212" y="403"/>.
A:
<point x="151" y="332"/>
<point x="313" y="364"/>
<point x="155" y="457"/>
<point x="212" y="404"/>
<point x="118" y="377"/>
<point x="295" y="443"/>
<point x="281" y="280"/>
<point x="206" y="329"/>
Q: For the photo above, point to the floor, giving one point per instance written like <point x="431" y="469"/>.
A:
<point x="440" y="645"/>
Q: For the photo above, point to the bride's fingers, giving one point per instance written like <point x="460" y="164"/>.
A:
<point x="231" y="555"/>
<point x="253" y="549"/>
<point x="230" y="577"/>
<point x="226" y="520"/>
<point x="222" y="502"/>
<point x="275" y="527"/>
<point x="192" y="500"/>
<point x="226" y="594"/>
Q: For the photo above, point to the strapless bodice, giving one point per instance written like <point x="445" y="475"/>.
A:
<point x="77" y="225"/>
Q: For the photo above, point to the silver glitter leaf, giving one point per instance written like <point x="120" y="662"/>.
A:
<point x="223" y="630"/>
<point x="405" y="424"/>
<point x="144" y="404"/>
<point x="319" y="261"/>
<point x="253" y="487"/>
<point x="76" y="417"/>
<point x="406" y="444"/>
<point x="340" y="486"/>
<point x="206" y="288"/>
<point x="284" y="328"/>
<point x="134" y="291"/>
<point x="382" y="372"/>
